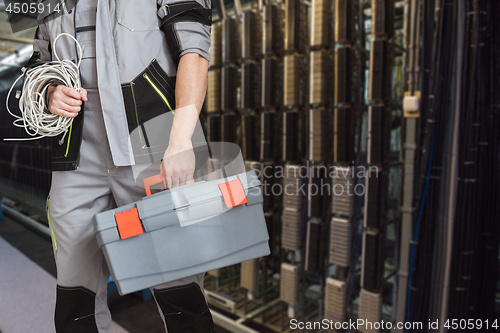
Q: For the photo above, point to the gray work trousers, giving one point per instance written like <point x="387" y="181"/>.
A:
<point x="75" y="197"/>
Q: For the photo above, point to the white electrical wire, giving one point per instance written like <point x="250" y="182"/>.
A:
<point x="35" y="117"/>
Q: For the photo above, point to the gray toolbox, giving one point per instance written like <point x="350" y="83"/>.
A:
<point x="183" y="231"/>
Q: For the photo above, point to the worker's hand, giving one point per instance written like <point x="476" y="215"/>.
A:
<point x="65" y="101"/>
<point x="178" y="164"/>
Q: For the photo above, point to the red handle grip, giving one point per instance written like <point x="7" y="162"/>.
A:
<point x="151" y="181"/>
<point x="148" y="182"/>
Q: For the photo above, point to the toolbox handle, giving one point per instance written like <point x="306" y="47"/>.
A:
<point x="148" y="182"/>
<point x="151" y="181"/>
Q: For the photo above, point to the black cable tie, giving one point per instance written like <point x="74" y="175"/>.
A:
<point x="431" y="120"/>
<point x="467" y="253"/>
<point x="413" y="242"/>
<point x="466" y="277"/>
<point x="470" y="180"/>
<point x="460" y="289"/>
<point x="469" y="162"/>
<point x="476" y="124"/>
<point x="483" y="143"/>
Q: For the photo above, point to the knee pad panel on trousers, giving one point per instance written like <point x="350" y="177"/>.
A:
<point x="75" y="310"/>
<point x="185" y="309"/>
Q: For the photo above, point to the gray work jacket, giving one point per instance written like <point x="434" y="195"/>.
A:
<point x="129" y="44"/>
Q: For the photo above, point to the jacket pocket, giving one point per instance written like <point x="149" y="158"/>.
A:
<point x="66" y="152"/>
<point x="137" y="15"/>
<point x="150" y="95"/>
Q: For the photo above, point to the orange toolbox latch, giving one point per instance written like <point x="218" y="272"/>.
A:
<point x="128" y="223"/>
<point x="233" y="193"/>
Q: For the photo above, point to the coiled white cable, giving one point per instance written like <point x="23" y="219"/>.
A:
<point x="35" y="117"/>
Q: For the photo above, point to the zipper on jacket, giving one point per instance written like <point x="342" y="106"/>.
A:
<point x="68" y="165"/>
<point x="77" y="162"/>
<point x="136" y="115"/>
<point x="63" y="6"/>
<point x="158" y="91"/>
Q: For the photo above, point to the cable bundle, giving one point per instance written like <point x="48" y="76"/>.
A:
<point x="35" y="117"/>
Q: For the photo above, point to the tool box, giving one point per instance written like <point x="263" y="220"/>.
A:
<point x="183" y="231"/>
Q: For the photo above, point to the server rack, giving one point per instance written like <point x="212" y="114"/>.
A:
<point x="376" y="196"/>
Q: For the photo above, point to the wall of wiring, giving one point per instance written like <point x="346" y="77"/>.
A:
<point x="451" y="247"/>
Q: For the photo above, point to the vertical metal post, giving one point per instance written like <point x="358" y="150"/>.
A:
<point x="409" y="166"/>
<point x="220" y="5"/>
<point x="239" y="8"/>
<point x="453" y="176"/>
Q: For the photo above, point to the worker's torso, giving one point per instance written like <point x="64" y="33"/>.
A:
<point x="121" y="42"/>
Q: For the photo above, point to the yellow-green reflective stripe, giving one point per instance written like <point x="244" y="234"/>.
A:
<point x="84" y="317"/>
<point x="158" y="91"/>
<point x="52" y="228"/>
<point x="69" y="139"/>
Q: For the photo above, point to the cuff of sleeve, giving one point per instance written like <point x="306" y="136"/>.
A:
<point x="203" y="53"/>
<point x="184" y="37"/>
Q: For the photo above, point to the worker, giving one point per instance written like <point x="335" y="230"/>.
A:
<point x="93" y="165"/>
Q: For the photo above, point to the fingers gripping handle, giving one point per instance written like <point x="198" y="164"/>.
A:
<point x="148" y="182"/>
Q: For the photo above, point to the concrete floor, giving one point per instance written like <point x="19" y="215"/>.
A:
<point x="34" y="254"/>
<point x="28" y="299"/>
